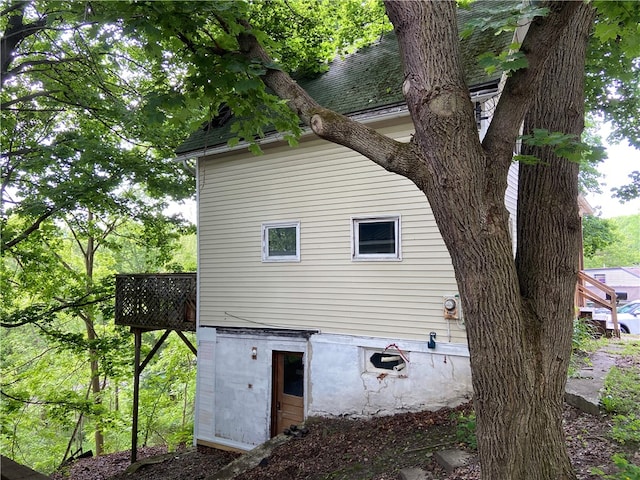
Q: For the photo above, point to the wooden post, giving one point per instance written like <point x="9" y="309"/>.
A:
<point x="136" y="394"/>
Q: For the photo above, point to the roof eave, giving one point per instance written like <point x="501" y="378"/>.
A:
<point x="388" y="112"/>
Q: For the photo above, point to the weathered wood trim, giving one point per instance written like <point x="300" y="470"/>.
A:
<point x="265" y="332"/>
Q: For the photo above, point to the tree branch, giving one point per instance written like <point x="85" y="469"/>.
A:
<point x="394" y="156"/>
<point x="16" y="31"/>
<point x="109" y="228"/>
<point x="74" y="234"/>
<point x="72" y="405"/>
<point x="26" y="98"/>
<point x="12" y="8"/>
<point x="80" y="302"/>
<point x="33" y="63"/>
<point x="541" y="39"/>
<point x="32" y="228"/>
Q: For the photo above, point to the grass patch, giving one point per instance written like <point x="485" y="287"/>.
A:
<point x="626" y="470"/>
<point x="622" y="399"/>
<point x="584" y="340"/>
<point x="630" y="348"/>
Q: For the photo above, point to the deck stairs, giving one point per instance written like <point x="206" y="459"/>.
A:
<point x="585" y="292"/>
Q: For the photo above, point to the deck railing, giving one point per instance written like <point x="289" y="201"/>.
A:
<point x="156" y="301"/>
<point x="584" y="293"/>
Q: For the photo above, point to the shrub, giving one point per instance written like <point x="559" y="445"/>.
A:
<point x="627" y="470"/>
<point x="466" y="429"/>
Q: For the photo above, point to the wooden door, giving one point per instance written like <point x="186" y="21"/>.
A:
<point x="288" y="391"/>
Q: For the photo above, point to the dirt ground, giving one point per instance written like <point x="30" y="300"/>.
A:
<point x="373" y="449"/>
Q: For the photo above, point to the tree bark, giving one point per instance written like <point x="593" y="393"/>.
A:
<point x="548" y="255"/>
<point x="88" y="317"/>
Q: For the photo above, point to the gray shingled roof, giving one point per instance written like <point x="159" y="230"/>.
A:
<point x="370" y="78"/>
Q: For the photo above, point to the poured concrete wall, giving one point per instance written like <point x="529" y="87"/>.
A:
<point x="235" y="390"/>
<point x="343" y="381"/>
<point x="233" y="405"/>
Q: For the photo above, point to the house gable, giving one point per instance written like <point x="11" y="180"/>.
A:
<point x="351" y="311"/>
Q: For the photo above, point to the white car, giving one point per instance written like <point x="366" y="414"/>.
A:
<point x="628" y="318"/>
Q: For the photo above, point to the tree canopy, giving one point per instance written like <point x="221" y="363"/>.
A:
<point x="95" y="96"/>
<point x="72" y="133"/>
<point x="612" y="242"/>
<point x="84" y="175"/>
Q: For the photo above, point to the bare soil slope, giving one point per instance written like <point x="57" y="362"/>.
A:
<point x="353" y="449"/>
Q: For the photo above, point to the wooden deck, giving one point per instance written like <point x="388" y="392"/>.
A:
<point x="159" y="301"/>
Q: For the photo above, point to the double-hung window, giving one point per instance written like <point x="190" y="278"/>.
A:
<point x="281" y="242"/>
<point x="376" y="238"/>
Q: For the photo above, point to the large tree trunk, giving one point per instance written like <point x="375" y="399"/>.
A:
<point x="518" y="313"/>
<point x="548" y="251"/>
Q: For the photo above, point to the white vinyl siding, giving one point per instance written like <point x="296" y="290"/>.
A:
<point x="511" y="202"/>
<point x="326" y="186"/>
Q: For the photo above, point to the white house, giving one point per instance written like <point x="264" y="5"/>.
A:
<point x="324" y="285"/>
<point x="624" y="280"/>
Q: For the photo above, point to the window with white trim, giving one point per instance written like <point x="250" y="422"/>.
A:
<point x="375" y="238"/>
<point x="281" y="242"/>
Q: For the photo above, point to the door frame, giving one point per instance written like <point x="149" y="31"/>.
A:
<point x="277" y="359"/>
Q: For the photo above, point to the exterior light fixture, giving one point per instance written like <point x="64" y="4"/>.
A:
<point x="432" y="340"/>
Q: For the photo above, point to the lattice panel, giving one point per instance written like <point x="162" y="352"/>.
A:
<point x="158" y="301"/>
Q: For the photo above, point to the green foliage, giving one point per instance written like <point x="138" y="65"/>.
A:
<point x="621" y="396"/>
<point x="167" y="394"/>
<point x="584" y="339"/>
<point x="36" y="398"/>
<point x="625" y="250"/>
<point x="622" y="390"/>
<point x="83" y="173"/>
<point x="630" y="191"/>
<point x="466" y="429"/>
<point x="626" y="469"/>
<point x="589" y="177"/>
<point x="613" y="63"/>
<point x="72" y="133"/>
<point x="631" y="348"/>
<point x="184" y="258"/>
<point x="207" y="68"/>
<point x="507" y="61"/>
<point x="598" y="234"/>
<point x="502" y="17"/>
<point x="564" y="145"/>
<point x="45" y="364"/>
<point x="583" y="335"/>
<point x="626" y="428"/>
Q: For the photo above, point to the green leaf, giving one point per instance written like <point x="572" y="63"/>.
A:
<point x="247" y="84"/>
<point x="527" y="159"/>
